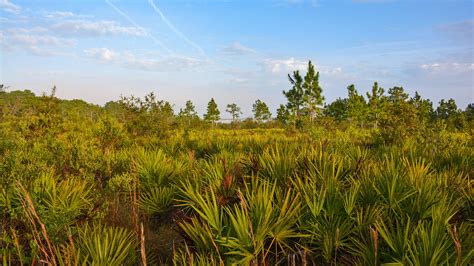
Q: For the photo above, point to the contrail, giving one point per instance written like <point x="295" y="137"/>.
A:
<point x="140" y="27"/>
<point x="179" y="33"/>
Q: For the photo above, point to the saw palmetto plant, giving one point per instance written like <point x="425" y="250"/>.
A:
<point x="239" y="197"/>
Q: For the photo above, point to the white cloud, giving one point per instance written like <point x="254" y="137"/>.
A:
<point x="37" y="40"/>
<point x="239" y="80"/>
<point x="440" y="79"/>
<point x="16" y="21"/>
<point x="103" y="54"/>
<point x="447" y="67"/>
<point x="284" y="65"/>
<point x="95" y="28"/>
<point x="129" y="60"/>
<point x="59" y="14"/>
<point x="330" y="70"/>
<point x="10" y="7"/>
<point x="237" y="48"/>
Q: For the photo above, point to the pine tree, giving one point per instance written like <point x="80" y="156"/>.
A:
<point x="469" y="112"/>
<point x="305" y="96"/>
<point x="260" y="111"/>
<point x="446" y="109"/>
<point x="282" y="114"/>
<point x="295" y="97"/>
<point x="213" y="113"/>
<point x="189" y="111"/>
<point x="397" y="95"/>
<point x="234" y="110"/>
<point x="400" y="119"/>
<point x="356" y="106"/>
<point x="376" y="102"/>
<point x="449" y="112"/>
<point x="313" y="98"/>
<point x="424" y="108"/>
<point x="337" y="109"/>
<point x="167" y="109"/>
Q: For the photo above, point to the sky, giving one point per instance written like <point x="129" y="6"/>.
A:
<point x="236" y="51"/>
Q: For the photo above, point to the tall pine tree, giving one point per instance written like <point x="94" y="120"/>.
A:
<point x="376" y="102"/>
<point x="356" y="106"/>
<point x="305" y="96"/>
<point x="313" y="99"/>
<point x="260" y="111"/>
<point x="213" y="113"/>
<point x="295" y="97"/>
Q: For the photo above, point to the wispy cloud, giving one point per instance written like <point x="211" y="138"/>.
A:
<point x="174" y="29"/>
<point x="38" y="41"/>
<point x="16" y="21"/>
<point x="156" y="40"/>
<point x="443" y="78"/>
<point x="283" y="65"/>
<point x="10" y="7"/>
<point x="95" y="28"/>
<point x="62" y="15"/>
<point x="58" y="14"/>
<point x="279" y="66"/>
<point x="236" y="48"/>
<point x="129" y="60"/>
<point x="102" y="54"/>
<point x="447" y="67"/>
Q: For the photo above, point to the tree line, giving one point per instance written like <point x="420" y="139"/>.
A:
<point x="392" y="110"/>
<point x="392" y="113"/>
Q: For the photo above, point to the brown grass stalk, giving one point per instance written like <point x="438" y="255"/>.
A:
<point x="33" y="217"/>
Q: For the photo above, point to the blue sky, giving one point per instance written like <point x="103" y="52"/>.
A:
<point x="236" y="51"/>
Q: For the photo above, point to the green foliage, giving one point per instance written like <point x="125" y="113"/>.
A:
<point x="295" y="97"/>
<point x="400" y="121"/>
<point x="188" y="114"/>
<point x="283" y="114"/>
<point x="60" y="203"/>
<point x="189" y="111"/>
<point x="305" y="96"/>
<point x="469" y="112"/>
<point x="276" y="164"/>
<point x="260" y="111"/>
<point x="146" y="116"/>
<point x="379" y="180"/>
<point x="234" y="110"/>
<point x="157" y="173"/>
<point x="376" y="102"/>
<point x="213" y="113"/>
<point x="424" y="108"/>
<point x="156" y="200"/>
<point x="337" y="109"/>
<point x="313" y="97"/>
<point x="101" y="245"/>
<point x="156" y="168"/>
<point x="356" y="106"/>
<point x="449" y="112"/>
